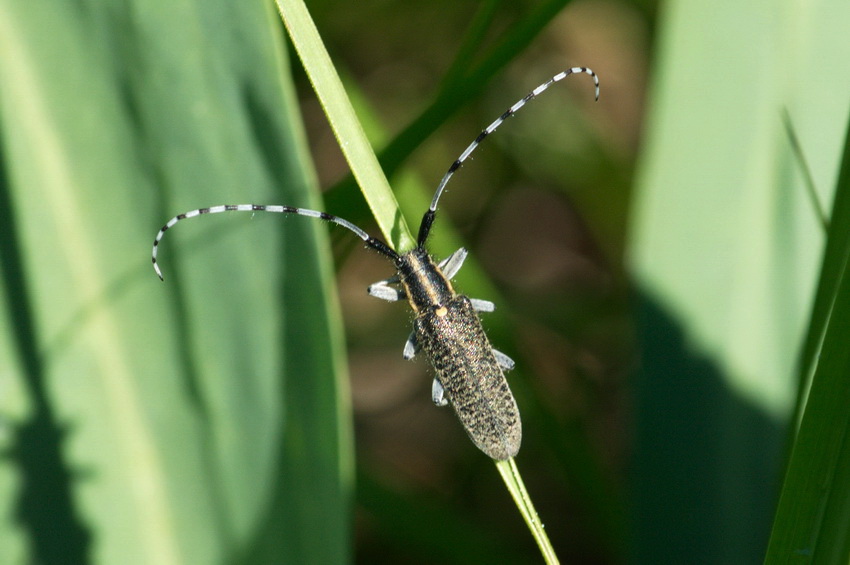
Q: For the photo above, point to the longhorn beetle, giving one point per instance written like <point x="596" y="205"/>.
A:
<point x="446" y="324"/>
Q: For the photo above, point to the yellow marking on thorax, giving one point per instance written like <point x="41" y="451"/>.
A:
<point x="420" y="267"/>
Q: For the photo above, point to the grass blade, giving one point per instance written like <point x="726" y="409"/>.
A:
<point x="814" y="506"/>
<point x="513" y="481"/>
<point x="172" y="421"/>
<point x="359" y="154"/>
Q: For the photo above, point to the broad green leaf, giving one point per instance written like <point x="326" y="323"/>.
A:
<point x="204" y="419"/>
<point x="726" y="246"/>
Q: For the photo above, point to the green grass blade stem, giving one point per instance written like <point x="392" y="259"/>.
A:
<point x="513" y="480"/>
<point x="347" y="129"/>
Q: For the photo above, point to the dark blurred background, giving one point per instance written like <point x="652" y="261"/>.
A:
<point x="542" y="207"/>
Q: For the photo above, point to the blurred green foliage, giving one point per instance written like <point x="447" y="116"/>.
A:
<point x="148" y="422"/>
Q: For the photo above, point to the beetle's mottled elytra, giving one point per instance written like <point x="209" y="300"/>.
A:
<point x="446" y="326"/>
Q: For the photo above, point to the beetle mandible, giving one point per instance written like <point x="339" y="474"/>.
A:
<point x="446" y="326"/>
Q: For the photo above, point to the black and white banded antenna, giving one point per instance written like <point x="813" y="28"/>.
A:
<point x="370" y="241"/>
<point x="428" y="218"/>
<point x="373" y="242"/>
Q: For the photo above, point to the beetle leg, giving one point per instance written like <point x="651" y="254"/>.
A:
<point x="503" y="360"/>
<point x="482" y="305"/>
<point x="384" y="291"/>
<point x="452" y="264"/>
<point x="411" y="348"/>
<point x="438" y="394"/>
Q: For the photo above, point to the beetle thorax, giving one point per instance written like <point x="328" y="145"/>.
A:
<point x="425" y="285"/>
